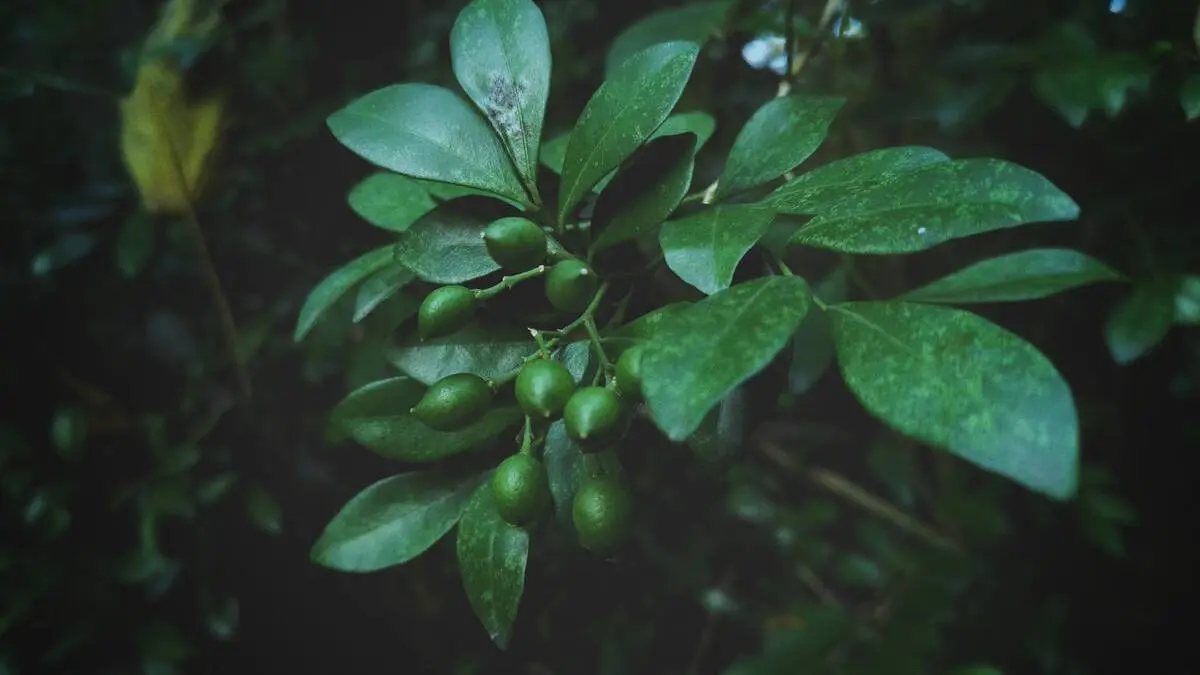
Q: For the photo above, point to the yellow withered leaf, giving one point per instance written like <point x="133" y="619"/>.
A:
<point x="169" y="142"/>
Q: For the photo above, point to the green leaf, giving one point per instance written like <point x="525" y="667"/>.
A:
<point x="264" y="510"/>
<point x="807" y="193"/>
<point x="565" y="469"/>
<point x="692" y="22"/>
<point x="950" y="378"/>
<point x="576" y="357"/>
<point x="812" y="345"/>
<point x="643" y="327"/>
<point x="390" y="201"/>
<point x="380" y="287"/>
<point x="377" y="417"/>
<point x="135" y="243"/>
<point x="701" y="354"/>
<point x="1140" y="321"/>
<point x="1187" y="301"/>
<point x="918" y="210"/>
<point x="1189" y="97"/>
<point x="704" y="249"/>
<point x="554" y="151"/>
<point x="1024" y="275"/>
<point x="701" y="124"/>
<point x="645" y="192"/>
<point x="489" y="354"/>
<point x="337" y="284"/>
<point x="1091" y="82"/>
<point x="500" y="52"/>
<point x="446" y="247"/>
<point x="429" y="132"/>
<point x="622" y="114"/>
<point x="394" y="520"/>
<point x="778" y="137"/>
<point x="492" y="556"/>
<point x="723" y="430"/>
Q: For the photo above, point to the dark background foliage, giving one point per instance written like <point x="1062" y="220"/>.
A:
<point x="237" y="490"/>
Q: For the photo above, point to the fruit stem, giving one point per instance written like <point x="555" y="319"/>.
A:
<point x="527" y="437"/>
<point x="588" y="312"/>
<point x="589" y="324"/>
<point x="507" y="282"/>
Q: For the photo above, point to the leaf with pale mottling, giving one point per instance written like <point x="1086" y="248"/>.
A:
<point x="700" y="354"/>
<point x="339" y="282"/>
<point x="777" y="138"/>
<point x="492" y="556"/>
<point x="807" y="193"/>
<point x="1023" y="275"/>
<point x="704" y="248"/>
<point x="918" y="210"/>
<point x="954" y="380"/>
<point x="390" y="201"/>
<point x="393" y="521"/>
<point x="623" y="113"/>
<point x="446" y="247"/>
<point x="490" y="354"/>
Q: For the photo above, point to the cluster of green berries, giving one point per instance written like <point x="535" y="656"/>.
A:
<point x="594" y="417"/>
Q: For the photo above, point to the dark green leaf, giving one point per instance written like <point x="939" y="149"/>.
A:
<point x="699" y="123"/>
<point x="216" y="487"/>
<point x="264" y="510"/>
<point x="576" y="357"/>
<point x="135" y="243"/>
<point x="64" y="252"/>
<point x="489" y="354"/>
<point x="500" y="53"/>
<point x="1187" y="301"/>
<point x="377" y="417"/>
<point x="429" y="132"/>
<point x="1024" y="275"/>
<point x="701" y="354"/>
<point x="723" y="430"/>
<point x="222" y="618"/>
<point x="812" y="345"/>
<point x="920" y="209"/>
<point x="491" y="557"/>
<point x="704" y="249"/>
<point x="1092" y="82"/>
<point x="565" y="469"/>
<point x="394" y="520"/>
<point x="1140" y="321"/>
<point x="337" y="284"/>
<point x="446" y="247"/>
<point x="379" y="287"/>
<point x="554" y="151"/>
<point x="643" y="327"/>
<point x="692" y="22"/>
<point x="390" y="201"/>
<point x="952" y="379"/>
<point x="1189" y="97"/>
<point x="807" y="193"/>
<point x="623" y="113"/>
<point x="645" y="192"/>
<point x="859" y="571"/>
<point x="778" y="137"/>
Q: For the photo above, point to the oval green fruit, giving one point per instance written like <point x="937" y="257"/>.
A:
<point x="570" y="285"/>
<point x="543" y="388"/>
<point x="521" y="489"/>
<point x="594" y="417"/>
<point x="603" y="514"/>
<point x="454" y="402"/>
<point x="516" y="244"/>
<point x="444" y="311"/>
<point x="629" y="372"/>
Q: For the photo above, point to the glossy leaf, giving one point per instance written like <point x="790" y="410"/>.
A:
<point x="918" y="210"/>
<point x="699" y="355"/>
<point x="489" y="354"/>
<point x="554" y="151"/>
<point x="807" y="193"/>
<point x="390" y="201"/>
<point x="623" y="113"/>
<point x="1140" y="321"/>
<point x="952" y="379"/>
<point x="377" y="417"/>
<point x="692" y="22"/>
<point x="1024" y="275"/>
<point x="644" y="326"/>
<point x="704" y="249"/>
<point x="500" y="53"/>
<point x="429" y="132"/>
<point x="337" y="284"/>
<point x="394" y="520"/>
<point x="1189" y="97"/>
<point x="446" y="247"/>
<point x="135" y="243"/>
<point x="576" y="357"/>
<point x="492" y="556"/>
<point x="645" y="192"/>
<point x="380" y="287"/>
<point x="565" y="469"/>
<point x="696" y="122"/>
<point x="812" y="345"/>
<point x="778" y="137"/>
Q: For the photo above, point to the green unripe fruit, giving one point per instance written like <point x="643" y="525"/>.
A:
<point x="516" y="244"/>
<point x="444" y="311"/>
<point x="454" y="402"/>
<point x="570" y="285"/>
<point x="629" y="372"/>
<point x="543" y="388"/>
<point x="593" y="417"/>
<point x="521" y="489"/>
<point x="603" y="514"/>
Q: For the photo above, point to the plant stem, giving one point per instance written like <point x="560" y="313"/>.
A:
<point x="597" y="345"/>
<point x="507" y="282"/>
<point x="527" y="437"/>
<point x="587" y="314"/>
